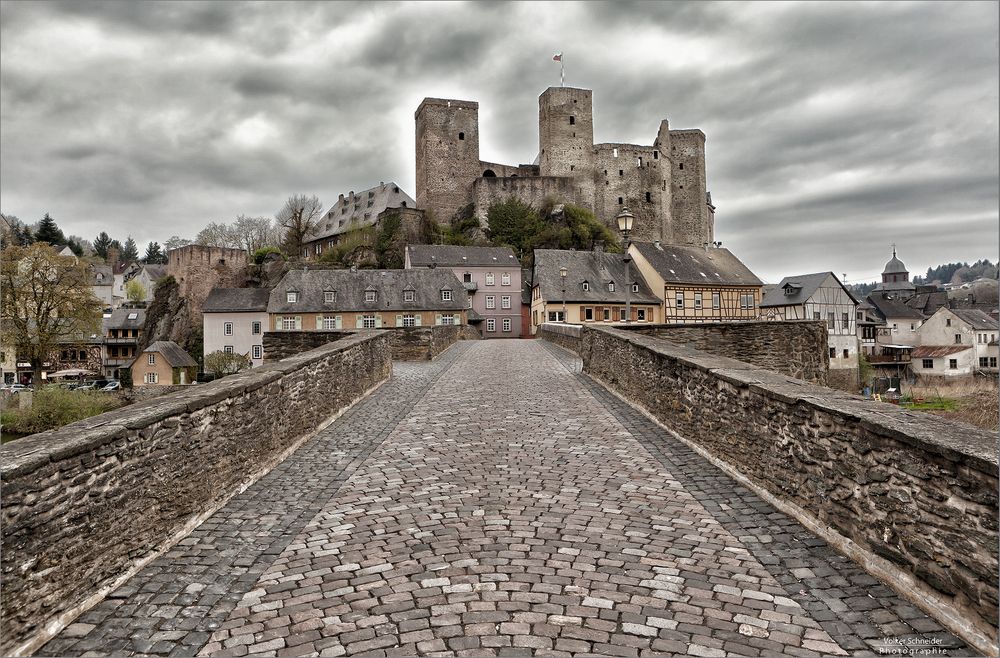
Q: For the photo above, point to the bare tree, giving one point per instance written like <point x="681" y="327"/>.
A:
<point x="299" y="217"/>
<point x="255" y="233"/>
<point x="217" y="234"/>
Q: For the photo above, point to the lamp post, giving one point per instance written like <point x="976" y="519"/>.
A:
<point x="562" y="275"/>
<point x="625" y="219"/>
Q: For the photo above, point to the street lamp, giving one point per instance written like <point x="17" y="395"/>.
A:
<point x="562" y="275"/>
<point x="625" y="219"/>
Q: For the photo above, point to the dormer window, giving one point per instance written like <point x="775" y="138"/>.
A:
<point x="445" y="295"/>
<point x="291" y="296"/>
<point x="371" y="296"/>
<point x="329" y="296"/>
<point x="408" y="295"/>
<point x="611" y="286"/>
<point x="635" y="287"/>
<point x="586" y="286"/>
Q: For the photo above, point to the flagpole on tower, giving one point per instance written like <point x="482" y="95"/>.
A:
<point x="558" y="57"/>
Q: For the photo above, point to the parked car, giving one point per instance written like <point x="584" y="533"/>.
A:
<point x="86" y="386"/>
<point x="112" y="386"/>
<point x="14" y="388"/>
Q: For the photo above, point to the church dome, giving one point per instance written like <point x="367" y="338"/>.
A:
<point x="894" y="266"/>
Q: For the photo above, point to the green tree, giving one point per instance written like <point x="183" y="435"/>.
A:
<point x="513" y="223"/>
<point x="101" y="244"/>
<point x="135" y="291"/>
<point x="14" y="232"/>
<point x="154" y="255"/>
<point x="49" y="232"/>
<point x="221" y="363"/>
<point x="45" y="298"/>
<point x="130" y="252"/>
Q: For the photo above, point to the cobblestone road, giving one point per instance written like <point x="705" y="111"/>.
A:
<point x="497" y="502"/>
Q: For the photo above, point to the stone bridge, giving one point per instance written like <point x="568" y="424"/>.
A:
<point x="495" y="501"/>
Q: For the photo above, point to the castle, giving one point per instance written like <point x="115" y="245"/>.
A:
<point x="663" y="184"/>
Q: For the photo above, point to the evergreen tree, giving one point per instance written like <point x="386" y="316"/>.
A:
<point x="48" y="232"/>
<point x="130" y="252"/>
<point x="154" y="255"/>
<point x="75" y="247"/>
<point x="101" y="244"/>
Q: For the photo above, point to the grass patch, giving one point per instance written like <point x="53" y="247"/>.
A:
<point x="55" y="407"/>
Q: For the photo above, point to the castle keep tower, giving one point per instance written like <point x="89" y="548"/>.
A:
<point x="689" y="206"/>
<point x="447" y="155"/>
<point x="566" y="135"/>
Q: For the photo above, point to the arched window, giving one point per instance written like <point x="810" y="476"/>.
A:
<point x="489" y="173"/>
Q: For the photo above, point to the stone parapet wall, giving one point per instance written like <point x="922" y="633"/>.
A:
<point x="910" y="496"/>
<point x="532" y="190"/>
<point x="797" y="348"/>
<point x="278" y="345"/>
<point x="844" y="379"/>
<point x="85" y="505"/>
<point x="564" y="335"/>
<point x="406" y="343"/>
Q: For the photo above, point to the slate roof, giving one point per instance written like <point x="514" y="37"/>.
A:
<point x="928" y="302"/>
<point x="108" y="273"/>
<point x="934" y="351"/>
<point x="350" y="287"/>
<point x="680" y="264"/>
<point x="172" y="352"/>
<point x="120" y="319"/>
<point x="803" y="287"/>
<point x="595" y="267"/>
<point x="976" y="318"/>
<point x="236" y="300"/>
<point x="423" y="255"/>
<point x="155" y="272"/>
<point x="889" y="305"/>
<point x="360" y="210"/>
<point x="895" y="266"/>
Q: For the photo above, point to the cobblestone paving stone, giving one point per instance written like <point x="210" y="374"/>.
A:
<point x="174" y="604"/>
<point x="517" y="509"/>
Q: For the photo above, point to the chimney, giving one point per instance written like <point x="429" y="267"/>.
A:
<point x="341" y="199"/>
<point x="656" y="243"/>
<point x="113" y="258"/>
<point x="598" y="246"/>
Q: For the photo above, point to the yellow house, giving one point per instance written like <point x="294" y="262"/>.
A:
<point x="595" y="289"/>
<point x="328" y="300"/>
<point x="698" y="285"/>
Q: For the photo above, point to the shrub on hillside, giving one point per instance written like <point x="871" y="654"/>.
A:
<point x="55" y="407"/>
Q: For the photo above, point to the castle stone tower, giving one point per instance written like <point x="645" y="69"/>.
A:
<point x="689" y="216"/>
<point x="447" y="155"/>
<point x="566" y="136"/>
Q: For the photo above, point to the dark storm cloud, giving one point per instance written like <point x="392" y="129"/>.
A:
<point x="833" y="129"/>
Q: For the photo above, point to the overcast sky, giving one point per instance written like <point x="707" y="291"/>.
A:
<point x="832" y="129"/>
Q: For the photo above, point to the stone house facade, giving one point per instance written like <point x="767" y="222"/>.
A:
<point x="354" y="212"/>
<point x="956" y="343"/>
<point x="234" y="320"/>
<point x="163" y="363"/>
<point x="698" y="284"/>
<point x="664" y="184"/>
<point x="331" y="300"/>
<point x="491" y="277"/>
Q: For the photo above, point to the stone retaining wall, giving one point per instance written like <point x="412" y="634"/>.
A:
<point x="565" y="335"/>
<point x="406" y="343"/>
<point x="85" y="505"/>
<point x="910" y="496"/>
<point x="798" y="348"/>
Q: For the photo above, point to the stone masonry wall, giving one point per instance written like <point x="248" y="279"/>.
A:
<point x="82" y="505"/>
<point x="564" y="335"/>
<point x="280" y="345"/>
<point x="914" y="489"/>
<point x="795" y="348"/>
<point x="405" y="343"/>
<point x="532" y="190"/>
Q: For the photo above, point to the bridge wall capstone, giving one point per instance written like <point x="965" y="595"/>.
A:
<point x="86" y="505"/>
<point x="406" y="343"/>
<point x="911" y="497"/>
<point x="564" y="335"/>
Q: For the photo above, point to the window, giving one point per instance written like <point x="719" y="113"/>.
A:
<point x="288" y="323"/>
<point x="847" y="354"/>
<point x="409" y="320"/>
<point x="329" y="323"/>
<point x="572" y="121"/>
<point x="947" y="322"/>
<point x="467" y="277"/>
<point x="993" y="362"/>
<point x="635" y="287"/>
<point x="716" y="300"/>
<point x="491" y="302"/>
<point x="291" y="296"/>
<point x="255" y="328"/>
<point x="151" y="359"/>
<point x="815" y="315"/>
<point x="227" y="328"/>
<point x="611" y="286"/>
<point x="620" y="201"/>
<point x="958" y="339"/>
<point x="682" y="165"/>
<point x="491" y="325"/>
<point x="640" y="315"/>
<point x="746" y="302"/>
<point x="329" y="296"/>
<point x="505" y="301"/>
<point x="831" y="321"/>
<point x="506" y="325"/>
<point x="953" y="364"/>
<point x="461" y="136"/>
<point x="371" y="296"/>
<point x="912" y="327"/>
<point x="847" y="320"/>
<point x="448" y="319"/>
<point x="133" y="316"/>
<point x="928" y="364"/>
<point x="586" y="286"/>
<point x="983" y="361"/>
<point x="258" y="352"/>
<point x="152" y="378"/>
<point x="228" y="349"/>
<point x="588" y="314"/>
<point x="833" y="352"/>
<point x="648" y="197"/>
<point x="408" y="295"/>
<point x="489" y="278"/>
<point x="555" y="316"/>
<point x="614" y="153"/>
<point x="697" y="300"/>
<point x="367" y="321"/>
<point x="445" y="295"/>
<point x="505" y="279"/>
<point x="679" y="300"/>
<point x="621" y="315"/>
<point x="607" y="315"/>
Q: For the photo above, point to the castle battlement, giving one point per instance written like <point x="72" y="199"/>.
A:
<point x="663" y="184"/>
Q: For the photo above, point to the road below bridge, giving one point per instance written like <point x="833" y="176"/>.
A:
<point x="498" y="502"/>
